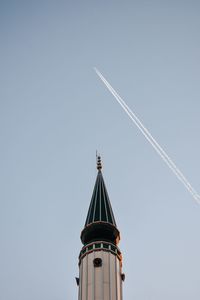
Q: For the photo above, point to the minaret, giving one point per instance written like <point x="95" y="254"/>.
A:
<point x="100" y="260"/>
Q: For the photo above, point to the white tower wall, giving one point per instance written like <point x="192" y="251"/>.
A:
<point x="100" y="282"/>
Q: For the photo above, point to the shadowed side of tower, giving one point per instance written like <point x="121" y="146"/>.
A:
<point x="100" y="260"/>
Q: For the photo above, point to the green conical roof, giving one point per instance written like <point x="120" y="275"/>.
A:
<point x="100" y="209"/>
<point x="100" y="222"/>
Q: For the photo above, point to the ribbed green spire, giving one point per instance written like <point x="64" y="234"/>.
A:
<point x="100" y="222"/>
<point x="100" y="208"/>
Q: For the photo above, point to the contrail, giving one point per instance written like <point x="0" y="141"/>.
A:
<point x="150" y="139"/>
<point x="144" y="131"/>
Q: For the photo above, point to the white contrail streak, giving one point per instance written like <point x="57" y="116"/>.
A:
<point x="150" y="139"/>
<point x="139" y="124"/>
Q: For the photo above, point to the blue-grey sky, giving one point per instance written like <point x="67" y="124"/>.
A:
<point x="55" y="113"/>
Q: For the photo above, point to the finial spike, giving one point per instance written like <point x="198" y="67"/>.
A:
<point x="98" y="158"/>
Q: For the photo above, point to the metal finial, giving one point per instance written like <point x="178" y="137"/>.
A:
<point x="99" y="165"/>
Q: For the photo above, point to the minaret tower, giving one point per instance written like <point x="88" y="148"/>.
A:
<point x="100" y="260"/>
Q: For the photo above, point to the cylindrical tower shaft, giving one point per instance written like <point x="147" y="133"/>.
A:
<point x="100" y="282"/>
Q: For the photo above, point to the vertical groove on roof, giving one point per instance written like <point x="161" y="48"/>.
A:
<point x="100" y="196"/>
<point x="95" y="201"/>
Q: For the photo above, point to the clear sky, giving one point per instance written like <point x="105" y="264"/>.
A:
<point x="55" y="113"/>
